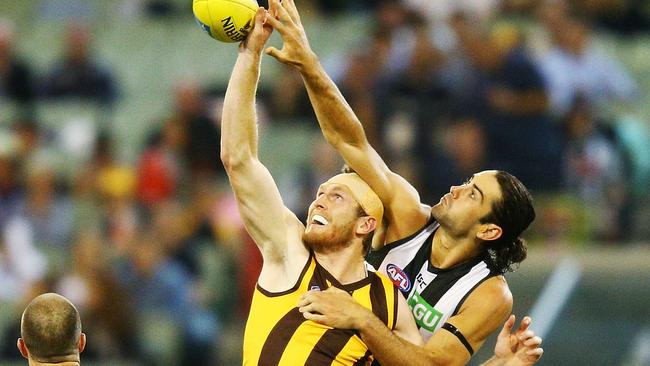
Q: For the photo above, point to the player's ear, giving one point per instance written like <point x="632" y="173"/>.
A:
<point x="82" y="342"/>
<point x="489" y="232"/>
<point x="366" y="225"/>
<point x="22" y="348"/>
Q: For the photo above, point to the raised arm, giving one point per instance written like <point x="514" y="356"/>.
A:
<point x="257" y="195"/>
<point x="342" y="128"/>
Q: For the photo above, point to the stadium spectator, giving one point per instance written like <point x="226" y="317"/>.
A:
<point x="16" y="82"/>
<point x="157" y="283"/>
<point x="159" y="168"/>
<point x="190" y="110"/>
<point x="78" y="75"/>
<point x="575" y="66"/>
<point x="46" y="208"/>
<point x="595" y="169"/>
<point x="510" y="98"/>
<point x="100" y="299"/>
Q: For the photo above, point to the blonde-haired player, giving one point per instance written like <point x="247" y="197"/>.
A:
<point x="327" y="251"/>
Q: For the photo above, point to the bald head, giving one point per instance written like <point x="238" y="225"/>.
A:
<point x="51" y="329"/>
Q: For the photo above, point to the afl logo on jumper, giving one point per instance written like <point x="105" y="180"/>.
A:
<point x="399" y="278"/>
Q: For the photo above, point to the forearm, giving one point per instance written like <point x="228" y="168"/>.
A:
<point x="239" y="126"/>
<point x="335" y="116"/>
<point x="391" y="350"/>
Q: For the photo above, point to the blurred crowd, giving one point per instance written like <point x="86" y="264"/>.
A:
<point x="153" y="251"/>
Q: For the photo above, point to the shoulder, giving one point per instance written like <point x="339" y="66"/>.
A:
<point x="484" y="311"/>
<point x="492" y="297"/>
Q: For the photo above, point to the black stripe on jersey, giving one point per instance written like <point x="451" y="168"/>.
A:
<point x="439" y="286"/>
<point x="328" y="347"/>
<point x="460" y="303"/>
<point x="422" y="256"/>
<point x="396" y="295"/>
<point x="378" y="299"/>
<point x="319" y="279"/>
<point x="349" y="287"/>
<point x="363" y="360"/>
<point x="375" y="257"/>
<point x="294" y="288"/>
<point x="279" y="338"/>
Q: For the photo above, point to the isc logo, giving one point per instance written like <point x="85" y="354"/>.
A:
<point x="399" y="278"/>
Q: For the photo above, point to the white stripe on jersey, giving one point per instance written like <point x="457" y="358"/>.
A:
<point x="404" y="253"/>
<point x="450" y="300"/>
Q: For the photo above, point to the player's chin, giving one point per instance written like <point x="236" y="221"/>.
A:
<point x="316" y="237"/>
<point x="437" y="209"/>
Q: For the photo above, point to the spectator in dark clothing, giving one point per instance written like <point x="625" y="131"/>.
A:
<point x="511" y="101"/>
<point x="202" y="140"/>
<point x="460" y="154"/>
<point x="78" y="75"/>
<point x="15" y="75"/>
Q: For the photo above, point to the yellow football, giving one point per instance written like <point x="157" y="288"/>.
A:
<point x="225" y="20"/>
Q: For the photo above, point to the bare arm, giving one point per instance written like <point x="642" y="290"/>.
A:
<point x="344" y="131"/>
<point x="257" y="195"/>
<point x="478" y="318"/>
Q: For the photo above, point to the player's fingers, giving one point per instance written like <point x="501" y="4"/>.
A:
<point x="311" y="307"/>
<point x="535" y="354"/>
<point x="260" y="18"/>
<point x="273" y="7"/>
<point x="525" y="323"/>
<point x="276" y="24"/>
<point x="275" y="53"/>
<point x="334" y="289"/>
<point x="303" y="303"/>
<point x="309" y="293"/>
<point x="525" y="335"/>
<point x="290" y="6"/>
<point x="314" y="317"/>
<point x="533" y="342"/>
<point x="505" y="331"/>
<point x="280" y="11"/>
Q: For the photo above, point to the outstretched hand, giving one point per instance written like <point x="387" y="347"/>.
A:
<point x="332" y="307"/>
<point x="519" y="348"/>
<point x="284" y="17"/>
<point x="260" y="33"/>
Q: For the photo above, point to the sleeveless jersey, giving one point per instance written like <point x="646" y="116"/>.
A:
<point x="277" y="333"/>
<point x="433" y="294"/>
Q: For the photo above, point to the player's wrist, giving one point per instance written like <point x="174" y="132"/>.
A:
<point x="310" y="65"/>
<point x="363" y="321"/>
<point x="251" y="55"/>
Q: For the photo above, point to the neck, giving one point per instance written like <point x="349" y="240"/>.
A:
<point x="346" y="264"/>
<point x="449" y="250"/>
<point x="63" y="363"/>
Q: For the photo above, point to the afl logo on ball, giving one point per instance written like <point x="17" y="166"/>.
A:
<point x="399" y="278"/>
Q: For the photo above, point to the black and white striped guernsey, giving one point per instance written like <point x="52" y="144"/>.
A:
<point x="433" y="294"/>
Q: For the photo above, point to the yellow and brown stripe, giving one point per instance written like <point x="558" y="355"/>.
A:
<point x="277" y="334"/>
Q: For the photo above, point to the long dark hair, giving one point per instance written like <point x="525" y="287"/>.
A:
<point x="513" y="213"/>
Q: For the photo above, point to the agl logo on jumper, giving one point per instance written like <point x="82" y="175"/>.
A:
<point x="399" y="278"/>
<point x="425" y="315"/>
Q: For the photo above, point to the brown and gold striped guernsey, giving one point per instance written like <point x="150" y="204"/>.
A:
<point x="278" y="334"/>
